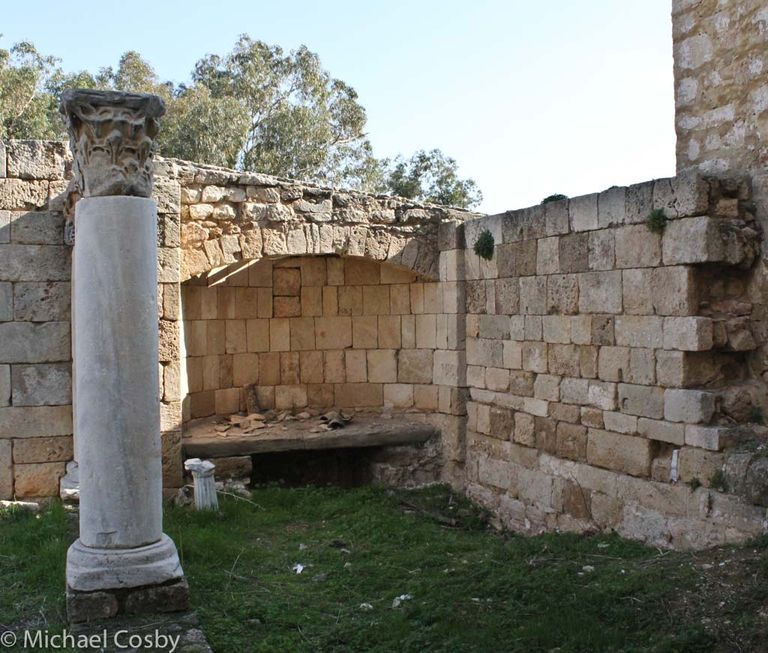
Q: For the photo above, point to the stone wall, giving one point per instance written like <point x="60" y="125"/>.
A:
<point x="599" y="351"/>
<point x="721" y="94"/>
<point x="318" y="331"/>
<point x="35" y="368"/>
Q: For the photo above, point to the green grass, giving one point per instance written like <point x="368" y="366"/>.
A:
<point x="472" y="589"/>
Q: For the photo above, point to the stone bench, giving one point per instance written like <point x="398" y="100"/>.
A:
<point x="360" y="433"/>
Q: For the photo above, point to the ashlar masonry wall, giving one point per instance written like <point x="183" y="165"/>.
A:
<point x="600" y="358"/>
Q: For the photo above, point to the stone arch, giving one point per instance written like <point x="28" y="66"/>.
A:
<point x="228" y="217"/>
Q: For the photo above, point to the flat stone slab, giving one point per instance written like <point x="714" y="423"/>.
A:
<point x="202" y="441"/>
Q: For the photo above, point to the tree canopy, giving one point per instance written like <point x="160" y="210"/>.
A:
<point x="257" y="108"/>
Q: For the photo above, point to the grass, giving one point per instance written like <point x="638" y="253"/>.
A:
<point x="471" y="589"/>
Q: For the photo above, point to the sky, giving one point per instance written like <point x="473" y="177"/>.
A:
<point x="530" y="98"/>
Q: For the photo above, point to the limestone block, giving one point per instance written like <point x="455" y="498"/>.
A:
<point x="3" y="160"/>
<point x="611" y="210"/>
<point x="591" y="417"/>
<point x="602" y="329"/>
<point x="533" y="295"/>
<point x="449" y="368"/>
<point x="640" y="400"/>
<point x="517" y="259"/>
<point x="426" y="397"/>
<point x="365" y="332"/>
<point x="484" y="352"/>
<point x="574" y="252"/>
<point x="574" y="391"/>
<point x="571" y="441"/>
<point x="512" y="354"/>
<point x="376" y="300"/>
<point x="707" y="240"/>
<point x="547" y="256"/>
<point x="583" y="212"/>
<point x="642" y="366"/>
<point x="18" y="194"/>
<point x="36" y="159"/>
<point x="333" y="332"/>
<point x="562" y="294"/>
<point x="588" y="362"/>
<point x="257" y="335"/>
<point x="602" y="395"/>
<point x="661" y="430"/>
<point x="602" y="250"/>
<point x="688" y="333"/>
<point x="289" y="368"/>
<point x="546" y="386"/>
<point x="600" y="292"/>
<point x="290" y="396"/>
<point x="566" y="413"/>
<point x="638" y="291"/>
<point x="623" y="453"/>
<point x="34" y="263"/>
<point x="43" y="450"/>
<point x="556" y="329"/>
<point x="37" y="479"/>
<point x="639" y="331"/>
<point x="492" y="327"/>
<point x="415" y="365"/>
<point x="41" y="385"/>
<point x="690" y="406"/>
<point x="167" y="193"/>
<point x="563" y="359"/>
<point x="685" y="195"/>
<point x="382" y="366"/>
<point x="6" y="465"/>
<point x="556" y="218"/>
<point x="674" y="291"/>
<point x="398" y="395"/>
<point x="620" y="422"/>
<point x="358" y="395"/>
<point x="507" y="297"/>
<point x="6" y="302"/>
<point x="581" y="329"/>
<point x="37" y="228"/>
<point x="706" y="437"/>
<point x="27" y="342"/>
<point x="227" y="401"/>
<point x="699" y="464"/>
<point x="533" y="329"/>
<point x="613" y="364"/>
<point x="637" y="247"/>
<point x="523" y="224"/>
<point x="500" y="423"/>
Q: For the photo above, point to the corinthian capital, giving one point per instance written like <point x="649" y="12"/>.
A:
<point x="112" y="136"/>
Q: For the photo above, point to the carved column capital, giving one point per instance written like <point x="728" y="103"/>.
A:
<point x="112" y="135"/>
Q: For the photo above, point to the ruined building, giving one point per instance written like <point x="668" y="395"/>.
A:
<point x="603" y="369"/>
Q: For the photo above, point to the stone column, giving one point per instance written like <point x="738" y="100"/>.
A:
<point x="121" y="548"/>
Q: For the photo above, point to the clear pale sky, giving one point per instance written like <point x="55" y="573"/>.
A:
<point x="531" y="98"/>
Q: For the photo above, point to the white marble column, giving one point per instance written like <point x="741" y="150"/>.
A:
<point x="117" y="410"/>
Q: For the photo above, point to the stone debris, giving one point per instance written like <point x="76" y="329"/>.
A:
<point x="399" y="600"/>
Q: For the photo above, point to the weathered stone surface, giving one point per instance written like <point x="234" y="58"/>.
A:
<point x="623" y="453"/>
<point x="38" y="421"/>
<point x="37" y="228"/>
<point x="27" y="342"/>
<point x="36" y="159"/>
<point x="18" y="194"/>
<point x="43" y="450"/>
<point x="34" y="263"/>
<point x="41" y="301"/>
<point x="42" y="385"/>
<point x="38" y="479"/>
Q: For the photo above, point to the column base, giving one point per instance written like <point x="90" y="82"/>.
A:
<point x="84" y="607"/>
<point x="90" y="569"/>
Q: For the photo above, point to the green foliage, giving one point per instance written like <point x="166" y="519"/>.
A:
<point x="484" y="245"/>
<point x="694" y="483"/>
<point x="430" y="177"/>
<point x="656" y="221"/>
<point x="554" y="198"/>
<point x="719" y="481"/>
<point x="256" y="108"/>
<point x="756" y="415"/>
<point x="473" y="590"/>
